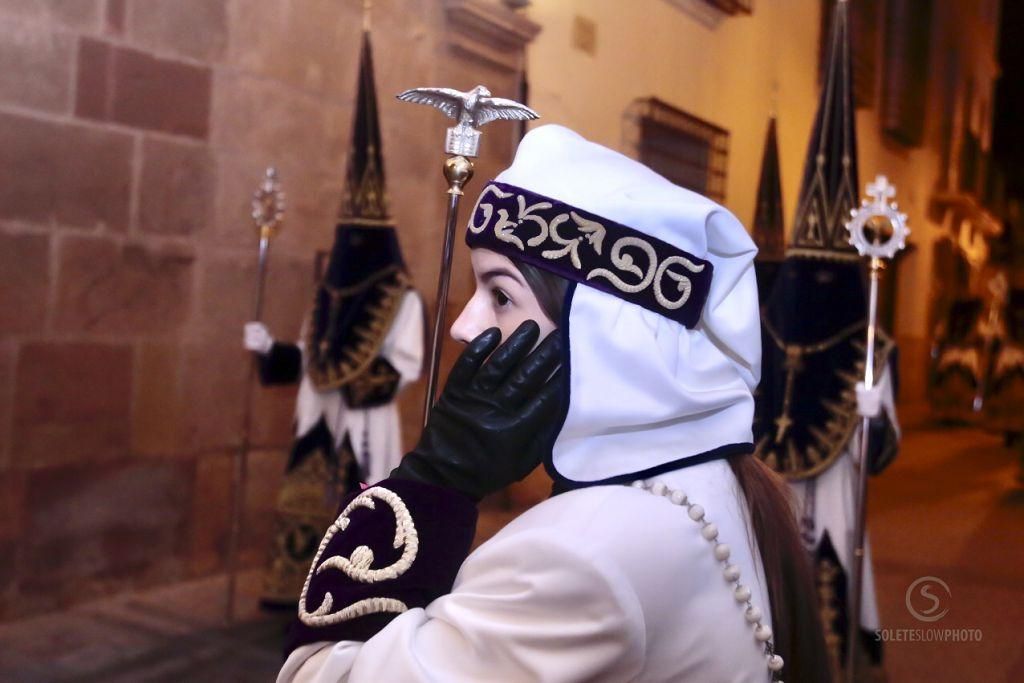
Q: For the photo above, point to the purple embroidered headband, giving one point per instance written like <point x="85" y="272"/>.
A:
<point x="570" y="242"/>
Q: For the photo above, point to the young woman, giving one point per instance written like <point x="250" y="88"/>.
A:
<point x="668" y="553"/>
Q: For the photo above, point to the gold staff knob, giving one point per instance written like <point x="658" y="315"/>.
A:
<point x="458" y="171"/>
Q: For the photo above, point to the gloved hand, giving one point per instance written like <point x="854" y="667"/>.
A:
<point x="495" y="420"/>
<point x="869" y="401"/>
<point x="257" y="338"/>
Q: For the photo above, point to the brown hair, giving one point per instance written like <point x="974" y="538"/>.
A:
<point x="798" y="636"/>
<point x="547" y="287"/>
<point x="796" y="621"/>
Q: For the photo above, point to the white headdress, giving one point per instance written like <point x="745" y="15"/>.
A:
<point x="663" y="331"/>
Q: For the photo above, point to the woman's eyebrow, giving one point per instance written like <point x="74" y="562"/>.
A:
<point x="495" y="272"/>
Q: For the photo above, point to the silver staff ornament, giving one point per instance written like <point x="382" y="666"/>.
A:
<point x="267" y="215"/>
<point x="877" y="230"/>
<point x="471" y="110"/>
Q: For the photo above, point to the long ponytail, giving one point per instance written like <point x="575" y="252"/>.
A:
<point x="796" y="622"/>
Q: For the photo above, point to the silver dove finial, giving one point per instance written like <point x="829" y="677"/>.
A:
<point x="471" y="110"/>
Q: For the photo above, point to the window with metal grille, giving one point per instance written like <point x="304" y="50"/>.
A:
<point x="685" y="149"/>
<point x="712" y="12"/>
<point x="732" y="6"/>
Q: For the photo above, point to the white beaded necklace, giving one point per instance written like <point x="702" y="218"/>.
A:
<point x="731" y="572"/>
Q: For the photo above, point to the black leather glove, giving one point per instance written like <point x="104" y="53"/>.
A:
<point x="495" y="420"/>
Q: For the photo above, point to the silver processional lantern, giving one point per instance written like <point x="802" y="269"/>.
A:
<point x="878" y="231"/>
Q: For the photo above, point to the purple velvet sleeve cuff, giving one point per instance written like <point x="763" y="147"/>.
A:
<point x="394" y="546"/>
<point x="281" y="365"/>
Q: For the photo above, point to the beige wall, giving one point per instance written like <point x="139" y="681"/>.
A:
<point x="723" y="75"/>
<point x="132" y="135"/>
<point x="734" y="74"/>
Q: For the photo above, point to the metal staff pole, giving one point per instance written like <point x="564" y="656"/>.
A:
<point x="471" y="109"/>
<point x="267" y="213"/>
<point x="878" y="230"/>
<point x="458" y="170"/>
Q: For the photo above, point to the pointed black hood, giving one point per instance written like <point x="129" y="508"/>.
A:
<point x="830" y="183"/>
<point x="769" y="225"/>
<point x="365" y="279"/>
<point x="365" y="189"/>
<point x="815" y="318"/>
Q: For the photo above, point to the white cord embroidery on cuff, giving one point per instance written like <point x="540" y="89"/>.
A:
<point x="358" y="565"/>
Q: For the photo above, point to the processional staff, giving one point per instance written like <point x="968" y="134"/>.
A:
<point x="471" y="109"/>
<point x="878" y="230"/>
<point x="267" y="214"/>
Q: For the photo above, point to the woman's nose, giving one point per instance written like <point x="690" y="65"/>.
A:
<point x="468" y="325"/>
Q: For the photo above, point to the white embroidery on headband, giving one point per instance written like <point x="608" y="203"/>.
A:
<point x="593" y="233"/>
<point x="683" y="283"/>
<point x="487" y="208"/>
<point x="624" y="262"/>
<point x="524" y="215"/>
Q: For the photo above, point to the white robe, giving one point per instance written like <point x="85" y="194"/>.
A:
<point x="381" y="425"/>
<point x="834" y="495"/>
<point x="607" y="583"/>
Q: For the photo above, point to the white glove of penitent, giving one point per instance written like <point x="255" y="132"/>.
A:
<point x="869" y="401"/>
<point x="257" y="338"/>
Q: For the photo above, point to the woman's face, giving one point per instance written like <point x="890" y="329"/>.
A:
<point x="502" y="299"/>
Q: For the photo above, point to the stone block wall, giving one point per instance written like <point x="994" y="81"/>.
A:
<point x="132" y="134"/>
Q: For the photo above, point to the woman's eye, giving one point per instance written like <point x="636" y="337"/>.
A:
<point x="500" y="297"/>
